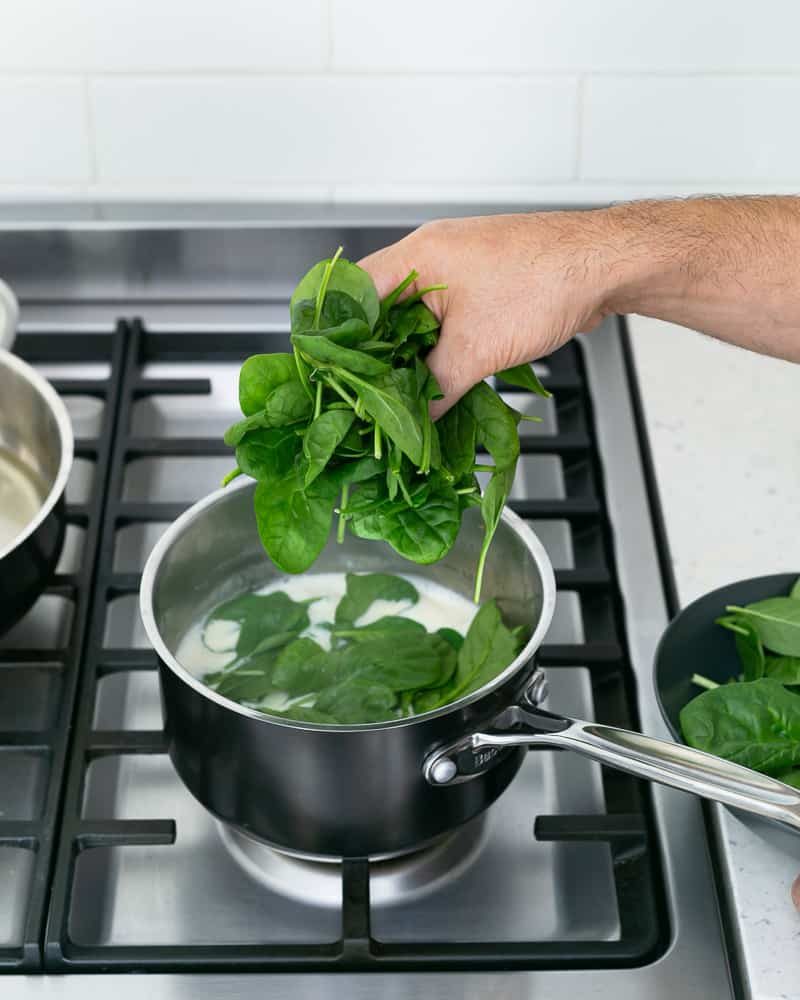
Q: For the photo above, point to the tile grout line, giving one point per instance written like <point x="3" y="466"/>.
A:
<point x="88" y="114"/>
<point x="579" y="114"/>
<point x="789" y="74"/>
<point x="329" y="39"/>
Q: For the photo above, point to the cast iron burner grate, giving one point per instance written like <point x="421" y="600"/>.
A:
<point x="624" y="829"/>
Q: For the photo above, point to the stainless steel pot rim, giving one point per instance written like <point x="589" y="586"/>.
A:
<point x="189" y="516"/>
<point x="52" y="400"/>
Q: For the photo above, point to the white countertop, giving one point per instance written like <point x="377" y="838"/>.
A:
<point x="724" y="427"/>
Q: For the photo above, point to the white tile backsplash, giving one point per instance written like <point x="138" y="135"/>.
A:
<point x="43" y="131"/>
<point x="522" y="101"/>
<point x="538" y="36"/>
<point x="691" y="129"/>
<point x="121" y="36"/>
<point x="322" y="129"/>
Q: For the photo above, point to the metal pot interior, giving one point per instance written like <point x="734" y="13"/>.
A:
<point x="36" y="447"/>
<point x="213" y="552"/>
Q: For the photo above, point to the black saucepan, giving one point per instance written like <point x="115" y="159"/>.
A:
<point x="386" y="788"/>
<point x="693" y="644"/>
<point x="36" y="447"/>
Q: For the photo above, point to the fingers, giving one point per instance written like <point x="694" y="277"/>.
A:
<point x="456" y="370"/>
<point x="388" y="267"/>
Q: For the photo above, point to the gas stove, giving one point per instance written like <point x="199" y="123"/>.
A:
<point x="578" y="881"/>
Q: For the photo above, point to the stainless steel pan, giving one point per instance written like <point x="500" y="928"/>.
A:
<point x="36" y="448"/>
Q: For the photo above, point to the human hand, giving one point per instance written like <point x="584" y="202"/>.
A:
<point x="518" y="287"/>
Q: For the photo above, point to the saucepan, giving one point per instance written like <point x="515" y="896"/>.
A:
<point x="36" y="449"/>
<point x="387" y="788"/>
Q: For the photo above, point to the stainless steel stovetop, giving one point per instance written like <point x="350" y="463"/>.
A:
<point x="496" y="910"/>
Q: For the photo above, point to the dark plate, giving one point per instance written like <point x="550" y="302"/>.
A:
<point x="693" y="644"/>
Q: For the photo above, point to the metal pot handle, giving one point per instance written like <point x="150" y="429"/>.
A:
<point x="656" y="760"/>
<point x="9" y="314"/>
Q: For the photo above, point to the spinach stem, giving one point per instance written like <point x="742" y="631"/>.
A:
<point x="323" y="287"/>
<point x="331" y="381"/>
<point x="465" y="490"/>
<point x="318" y="400"/>
<point x="479" y="467"/>
<point x="529" y="418"/>
<point x="704" y="682"/>
<point x="404" y="490"/>
<point x="395" y="294"/>
<point x="378" y="449"/>
<point x="231" y="476"/>
<point x="342" y="517"/>
<point x="302" y="373"/>
<point x="476" y="596"/>
<point x="423" y="291"/>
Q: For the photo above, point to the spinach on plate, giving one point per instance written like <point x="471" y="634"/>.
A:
<point x="342" y="426"/>
<point x="754" y="720"/>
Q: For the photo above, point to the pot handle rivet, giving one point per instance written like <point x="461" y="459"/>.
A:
<point x="443" y="770"/>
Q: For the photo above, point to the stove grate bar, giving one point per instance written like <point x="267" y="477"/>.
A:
<point x="124" y="832"/>
<point x="582" y="827"/>
<point x="102" y="742"/>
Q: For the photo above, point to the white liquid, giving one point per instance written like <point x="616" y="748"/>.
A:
<point x="21" y="497"/>
<point x="437" y="607"/>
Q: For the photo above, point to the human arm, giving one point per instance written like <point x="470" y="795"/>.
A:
<point x="519" y="286"/>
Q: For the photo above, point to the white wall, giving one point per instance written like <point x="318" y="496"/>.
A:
<point x="547" y="100"/>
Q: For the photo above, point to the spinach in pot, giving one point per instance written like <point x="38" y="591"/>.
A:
<point x="389" y="668"/>
<point x="755" y="719"/>
<point x="342" y="425"/>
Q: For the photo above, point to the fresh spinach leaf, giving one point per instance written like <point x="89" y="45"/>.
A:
<point x="323" y="353"/>
<point x="748" y="645"/>
<point x="339" y="310"/>
<point x="754" y="723"/>
<point x="344" y="277"/>
<point x="268" y="454"/>
<point x="489" y="646"/>
<point x="450" y="635"/>
<point x="363" y="589"/>
<point x="492" y="503"/>
<point x="294" y="520"/>
<point x="260" y="617"/>
<point x="390" y="627"/>
<point x="249" y="684"/>
<point x="790" y="777"/>
<point x="391" y="401"/>
<point x="457" y="435"/>
<point x="526" y="378"/>
<point x="357" y="701"/>
<point x="496" y="424"/>
<point x="302" y="667"/>
<point x="424" y="533"/>
<point x="323" y="436"/>
<point x="785" y="669"/>
<point x="777" y="622"/>
<point x="261" y="374"/>
<point x="422" y="660"/>
<point x="794" y="593"/>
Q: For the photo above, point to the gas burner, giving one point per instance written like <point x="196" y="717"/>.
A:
<point x="318" y="881"/>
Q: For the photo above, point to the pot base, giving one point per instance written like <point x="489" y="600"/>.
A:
<point x="317" y="880"/>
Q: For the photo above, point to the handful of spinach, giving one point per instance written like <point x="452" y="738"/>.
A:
<point x="755" y="721"/>
<point x="343" y="424"/>
<point x="388" y="669"/>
